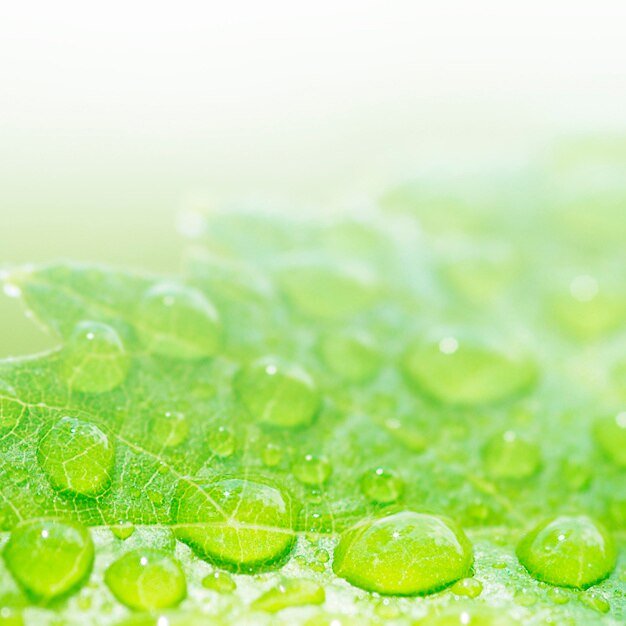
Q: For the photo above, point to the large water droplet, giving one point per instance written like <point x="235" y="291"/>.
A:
<point x="610" y="434"/>
<point x="382" y="486"/>
<point x="242" y="525"/>
<point x="49" y="558"/>
<point x="508" y="455"/>
<point x="147" y="579"/>
<point x="329" y="292"/>
<point x="95" y="359"/>
<point x="178" y="322"/>
<point x="277" y="393"/>
<point x="467" y="373"/>
<point x="568" y="551"/>
<point x="76" y="457"/>
<point x="351" y="356"/>
<point x="403" y="554"/>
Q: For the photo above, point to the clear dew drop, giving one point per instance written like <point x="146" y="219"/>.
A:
<point x="595" y="601"/>
<point x="382" y="486"/>
<point x="49" y="558"/>
<point x="588" y="310"/>
<point x="178" y="322"/>
<point x="241" y="525"/>
<point x="329" y="292"/>
<point x="351" y="356"/>
<point x="146" y="580"/>
<point x="122" y="530"/>
<point x="290" y="593"/>
<point x="610" y="435"/>
<point x="76" y="457"/>
<point x="222" y="442"/>
<point x="467" y="587"/>
<point x="311" y="470"/>
<point x="221" y="582"/>
<point x="271" y="454"/>
<point x="568" y="551"/>
<point x="277" y="393"/>
<point x="467" y="373"/>
<point x="95" y="359"/>
<point x="170" y="428"/>
<point x="405" y="553"/>
<point x="511" y="456"/>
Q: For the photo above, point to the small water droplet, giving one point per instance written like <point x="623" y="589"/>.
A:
<point x="178" y="322"/>
<point x="290" y="593"/>
<point x="595" y="601"/>
<point x="271" y="454"/>
<point x="468" y="373"/>
<point x="122" y="530"/>
<point x="169" y="428"/>
<point x="147" y="579"/>
<point x="76" y="457"/>
<point x="222" y="441"/>
<point x="312" y="470"/>
<point x="49" y="558"/>
<point x="467" y="587"/>
<point x="382" y="485"/>
<point x="351" y="356"/>
<point x="277" y="393"/>
<point x="219" y="581"/>
<point x="508" y="455"/>
<point x="95" y="359"/>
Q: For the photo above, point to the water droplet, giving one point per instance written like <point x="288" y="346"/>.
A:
<point x="595" y="601"/>
<point x="382" y="486"/>
<point x="312" y="470"/>
<point x="403" y="554"/>
<point x="219" y="581"/>
<point x="322" y="555"/>
<point x="467" y="587"/>
<point x="222" y="441"/>
<point x="241" y="525"/>
<point x="525" y="597"/>
<point x="11" y="617"/>
<point x="271" y="454"/>
<point x="95" y="359"/>
<point x="568" y="551"/>
<point x="610" y="435"/>
<point x="277" y="393"/>
<point x="467" y="373"/>
<point x="178" y="322"/>
<point x="352" y="356"/>
<point x="147" y="579"/>
<point x="169" y="428"/>
<point x="586" y="311"/>
<point x="122" y="530"/>
<point x="76" y="457"/>
<point x="49" y="558"/>
<point x="329" y="292"/>
<point x="510" y="456"/>
<point x="558" y="595"/>
<point x="298" y="592"/>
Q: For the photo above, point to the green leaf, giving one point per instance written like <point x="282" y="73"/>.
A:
<point x="320" y="422"/>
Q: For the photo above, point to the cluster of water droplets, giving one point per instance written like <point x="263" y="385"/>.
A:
<point x="305" y="439"/>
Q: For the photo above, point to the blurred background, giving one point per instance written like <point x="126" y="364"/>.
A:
<point x="116" y="116"/>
